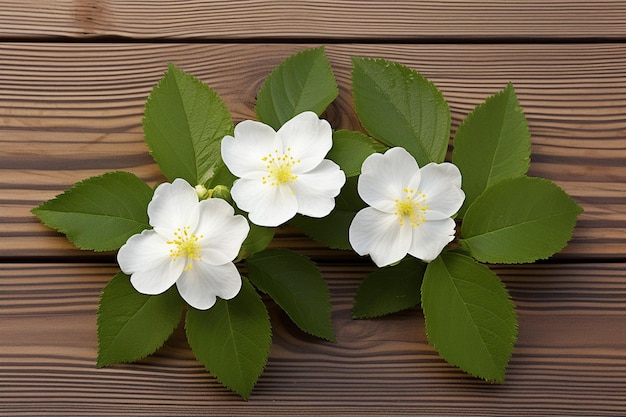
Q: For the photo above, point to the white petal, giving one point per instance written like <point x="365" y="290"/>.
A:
<point x="380" y="235"/>
<point x="145" y="257"/>
<point x="173" y="205"/>
<point x="316" y="190"/>
<point x="444" y="173"/>
<point x="222" y="232"/>
<point x="443" y="206"/>
<point x="430" y="238"/>
<point x="142" y="251"/>
<point x="384" y="177"/>
<point x="441" y="183"/>
<point x="267" y="205"/>
<point x="309" y="139"/>
<point x="200" y="285"/>
<point x="243" y="154"/>
<point x="158" y="279"/>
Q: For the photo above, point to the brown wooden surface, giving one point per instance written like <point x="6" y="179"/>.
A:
<point x="314" y="19"/>
<point x="569" y="358"/>
<point x="69" y="110"/>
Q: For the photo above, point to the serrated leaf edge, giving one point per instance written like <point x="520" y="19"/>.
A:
<point x="513" y="341"/>
<point x="266" y="351"/>
<point x="104" y="364"/>
<point x="245" y="394"/>
<point x="280" y="67"/>
<point x="329" y="305"/>
<point x="403" y="68"/>
<point x="510" y="88"/>
<point x="198" y="178"/>
<point x="42" y="208"/>
<point x="577" y="209"/>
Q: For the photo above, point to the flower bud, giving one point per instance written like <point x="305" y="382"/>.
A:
<point x="220" y="191"/>
<point x="202" y="191"/>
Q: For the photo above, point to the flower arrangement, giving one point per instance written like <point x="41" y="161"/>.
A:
<point x="430" y="226"/>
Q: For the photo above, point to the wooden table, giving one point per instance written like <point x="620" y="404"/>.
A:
<point x="73" y="79"/>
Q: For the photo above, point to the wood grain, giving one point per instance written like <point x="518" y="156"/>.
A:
<point x="569" y="359"/>
<point x="72" y="88"/>
<point x="70" y="111"/>
<point x="313" y="19"/>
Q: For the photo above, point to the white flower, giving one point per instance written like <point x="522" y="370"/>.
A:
<point x="191" y="244"/>
<point x="283" y="173"/>
<point x="410" y="208"/>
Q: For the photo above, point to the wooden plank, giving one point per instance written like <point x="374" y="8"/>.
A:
<point x="569" y="359"/>
<point x="314" y="19"/>
<point x="70" y="111"/>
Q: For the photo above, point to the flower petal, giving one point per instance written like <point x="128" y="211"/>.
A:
<point x="267" y="205"/>
<point x="443" y="173"/>
<point x="443" y="206"/>
<point x="243" y="154"/>
<point x="142" y="251"/>
<point x="173" y="205"/>
<point x="200" y="285"/>
<point x="158" y="279"/>
<point x="222" y="231"/>
<point x="441" y="183"/>
<point x="384" y="177"/>
<point x="307" y="138"/>
<point x="430" y="238"/>
<point x="316" y="190"/>
<point x="145" y="257"/>
<point x="380" y="235"/>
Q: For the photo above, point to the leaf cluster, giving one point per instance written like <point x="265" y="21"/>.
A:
<point x="184" y="123"/>
<point x="507" y="217"/>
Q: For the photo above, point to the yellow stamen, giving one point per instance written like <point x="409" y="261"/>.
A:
<point x="186" y="245"/>
<point x="279" y="168"/>
<point x="411" y="207"/>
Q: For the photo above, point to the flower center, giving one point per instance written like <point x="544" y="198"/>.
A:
<point x="412" y="207"/>
<point x="186" y="245"/>
<point x="279" y="168"/>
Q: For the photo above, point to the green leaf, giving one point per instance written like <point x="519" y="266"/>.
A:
<point x="400" y="107"/>
<point x="519" y="220"/>
<point x="297" y="286"/>
<point x="184" y="123"/>
<point x="332" y="230"/>
<point x="258" y="238"/>
<point x="302" y="82"/>
<point x="389" y="289"/>
<point x="131" y="325"/>
<point x="350" y="148"/>
<point x="232" y="339"/>
<point x="492" y="144"/>
<point x="99" y="213"/>
<point x="221" y="176"/>
<point x="470" y="319"/>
